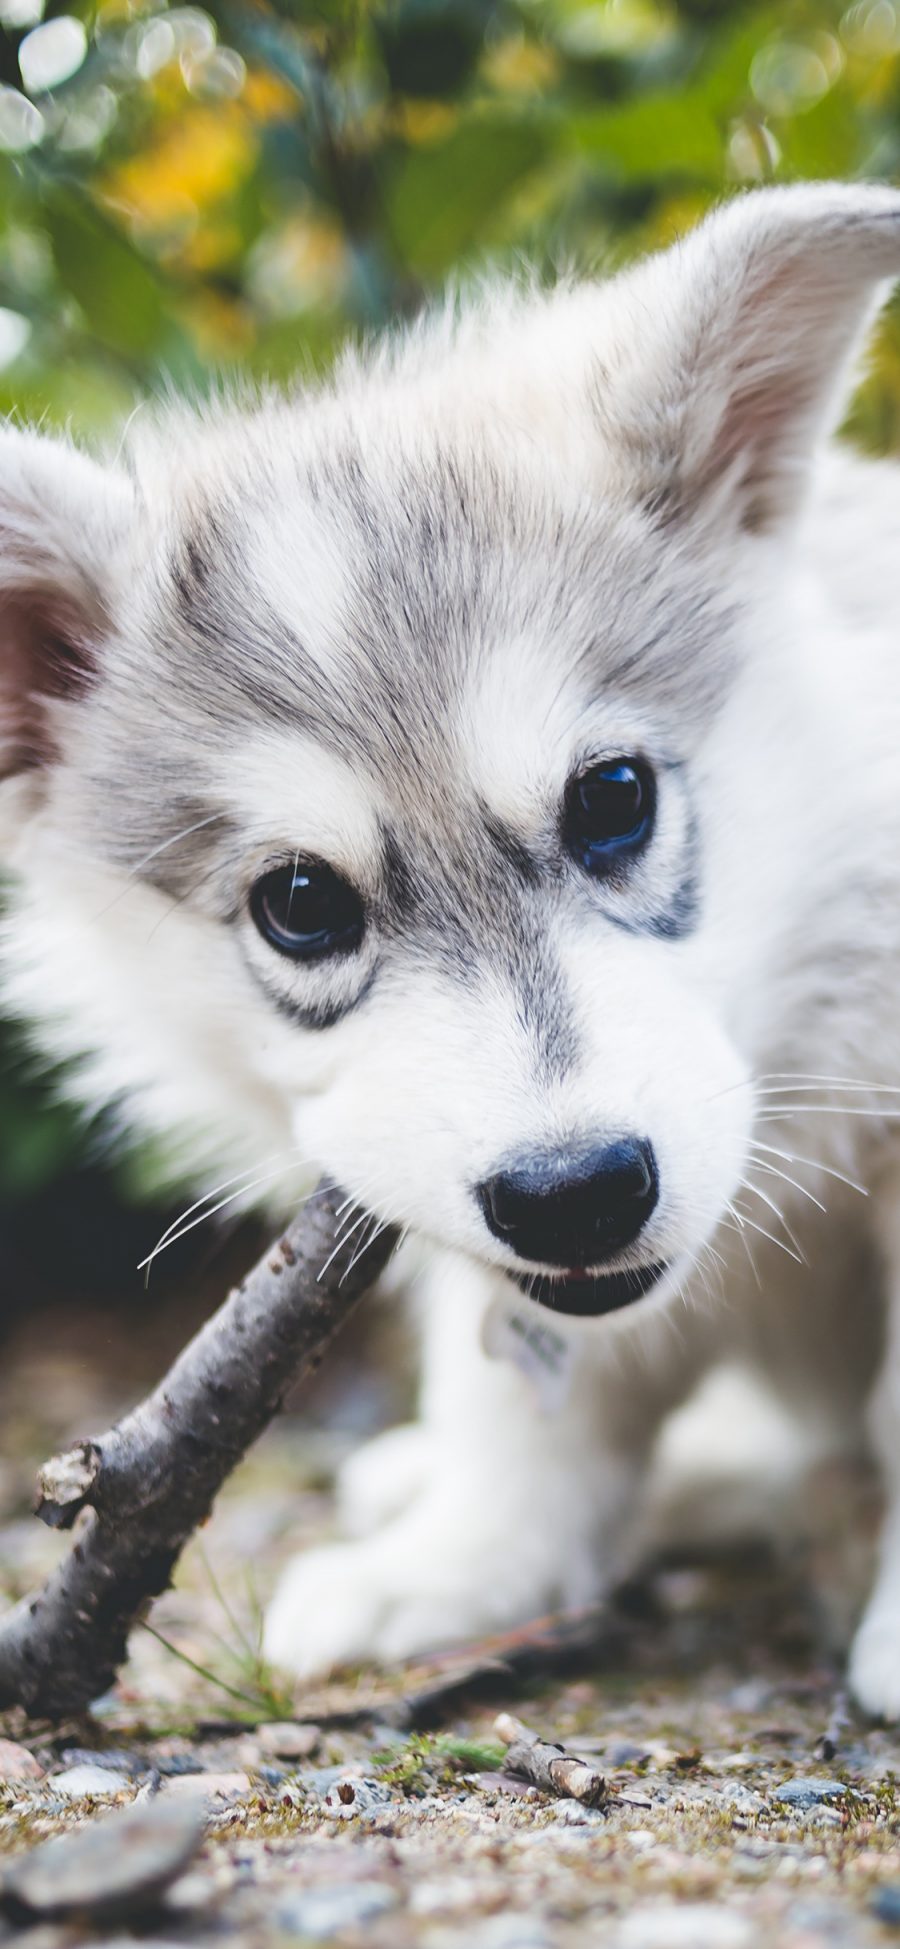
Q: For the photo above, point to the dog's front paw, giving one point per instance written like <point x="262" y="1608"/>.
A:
<point x="359" y="1601"/>
<point x="329" y="1609"/>
<point x="874" y="1669"/>
<point x="433" y="1578"/>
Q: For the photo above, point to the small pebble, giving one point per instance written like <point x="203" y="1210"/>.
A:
<point x="733" y="1794"/>
<point x="811" y="1792"/>
<point x="16" y="1763"/>
<point x="570" y="1813"/>
<point x="110" y="1868"/>
<point x="821" y="1817"/>
<point x="287" y="1740"/>
<point x="320" y="1778"/>
<point x="113" y="1759"/>
<point x="88" y="1783"/>
<point x="350" y="1796"/>
<point x="172" y="1765"/>
<point x="207" y="1786"/>
<point x="318" y="1914"/>
<point x="685" y="1925"/>
<point x="886" y="1906"/>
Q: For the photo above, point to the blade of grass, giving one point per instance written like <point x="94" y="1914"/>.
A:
<point x="202" y="1671"/>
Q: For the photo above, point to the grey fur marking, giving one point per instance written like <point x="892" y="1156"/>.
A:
<point x="431" y="583"/>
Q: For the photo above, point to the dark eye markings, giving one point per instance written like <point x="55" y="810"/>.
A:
<point x="322" y="1015"/>
<point x="310" y="914"/>
<point x="608" y="814"/>
<point x="307" y="912"/>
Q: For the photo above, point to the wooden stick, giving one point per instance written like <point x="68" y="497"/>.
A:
<point x="549" y="1767"/>
<point x="150" y="1481"/>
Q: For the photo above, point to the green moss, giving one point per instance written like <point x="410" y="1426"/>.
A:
<point x="427" y="1762"/>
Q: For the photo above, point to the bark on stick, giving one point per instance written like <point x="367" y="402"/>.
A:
<point x="141" y="1490"/>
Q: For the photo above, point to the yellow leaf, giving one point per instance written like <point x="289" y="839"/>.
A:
<point x="194" y="162"/>
<point x="267" y="97"/>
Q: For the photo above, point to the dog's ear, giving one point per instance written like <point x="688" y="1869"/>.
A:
<point x="63" y="518"/>
<point x="731" y="353"/>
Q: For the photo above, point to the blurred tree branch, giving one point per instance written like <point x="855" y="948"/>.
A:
<point x="142" y="1489"/>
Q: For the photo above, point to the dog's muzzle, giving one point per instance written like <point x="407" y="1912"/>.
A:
<point x="589" y="1295"/>
<point x="573" y="1209"/>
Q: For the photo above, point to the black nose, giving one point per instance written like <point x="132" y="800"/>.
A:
<point x="573" y="1210"/>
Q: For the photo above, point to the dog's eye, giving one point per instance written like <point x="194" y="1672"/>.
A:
<point x="609" y="813"/>
<point x="307" y="911"/>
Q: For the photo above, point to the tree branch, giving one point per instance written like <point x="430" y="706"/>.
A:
<point x="146" y="1485"/>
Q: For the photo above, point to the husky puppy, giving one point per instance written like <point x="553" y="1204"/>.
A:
<point x="480" y="779"/>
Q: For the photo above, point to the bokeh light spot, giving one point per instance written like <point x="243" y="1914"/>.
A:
<point x="21" y="124"/>
<point x="50" y="54"/>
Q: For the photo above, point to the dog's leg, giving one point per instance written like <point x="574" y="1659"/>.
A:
<point x="511" y="1510"/>
<point x="383" y="1477"/>
<point x="875" y="1654"/>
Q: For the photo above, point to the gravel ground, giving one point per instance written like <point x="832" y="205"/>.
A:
<point x="745" y="1803"/>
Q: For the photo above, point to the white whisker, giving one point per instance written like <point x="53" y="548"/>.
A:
<point x="801" y="1078"/>
<point x="135" y="871"/>
<point x="379" y="1225"/>
<point x="178" y="900"/>
<point x="812" y="1164"/>
<point x="825" y="1109"/>
<point x="344" y="1234"/>
<point x="720" y="1262"/>
<point x="796" y="1256"/>
<point x="757" y="1192"/>
<point x="737" y="1226"/>
<point x="238" y="1178"/>
<point x="786" y="1178"/>
<point x="837" y="1089"/>
<point x="255" y="1184"/>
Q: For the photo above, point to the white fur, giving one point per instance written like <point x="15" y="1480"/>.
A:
<point x="650" y="551"/>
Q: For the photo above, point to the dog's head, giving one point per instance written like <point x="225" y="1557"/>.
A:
<point x="392" y="774"/>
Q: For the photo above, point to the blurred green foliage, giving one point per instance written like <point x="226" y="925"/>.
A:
<point x="188" y="192"/>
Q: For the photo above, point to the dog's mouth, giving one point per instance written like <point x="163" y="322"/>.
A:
<point x="591" y="1294"/>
